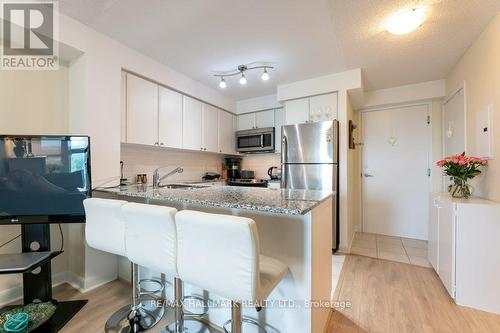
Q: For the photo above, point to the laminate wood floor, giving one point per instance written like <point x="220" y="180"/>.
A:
<point x="385" y="297"/>
<point x="389" y="297"/>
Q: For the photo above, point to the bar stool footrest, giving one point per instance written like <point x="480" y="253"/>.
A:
<point x="246" y="320"/>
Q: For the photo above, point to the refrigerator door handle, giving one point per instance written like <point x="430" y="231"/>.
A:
<point x="284" y="154"/>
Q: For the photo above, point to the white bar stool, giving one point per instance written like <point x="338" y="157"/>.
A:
<point x="105" y="231"/>
<point x="150" y="236"/>
<point x="221" y="253"/>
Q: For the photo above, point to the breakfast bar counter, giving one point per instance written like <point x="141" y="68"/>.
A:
<point x="294" y="226"/>
<point x="279" y="201"/>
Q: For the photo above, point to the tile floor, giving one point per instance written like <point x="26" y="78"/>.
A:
<point x="337" y="264"/>
<point x="405" y="250"/>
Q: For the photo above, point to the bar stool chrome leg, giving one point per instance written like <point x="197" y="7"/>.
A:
<point x="237" y="320"/>
<point x="185" y="323"/>
<point x="139" y="316"/>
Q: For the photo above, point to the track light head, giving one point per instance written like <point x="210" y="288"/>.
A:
<point x="222" y="83"/>
<point x="243" y="79"/>
<point x="265" y="75"/>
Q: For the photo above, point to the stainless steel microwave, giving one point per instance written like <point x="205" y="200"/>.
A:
<point x="259" y="140"/>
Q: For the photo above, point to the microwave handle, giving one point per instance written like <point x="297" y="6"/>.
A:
<point x="284" y="154"/>
<point x="262" y="141"/>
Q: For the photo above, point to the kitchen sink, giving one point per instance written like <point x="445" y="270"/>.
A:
<point x="181" y="186"/>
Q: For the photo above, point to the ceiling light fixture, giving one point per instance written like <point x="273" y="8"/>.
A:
<point x="241" y="71"/>
<point x="222" y="83"/>
<point x="265" y="75"/>
<point x="405" y="21"/>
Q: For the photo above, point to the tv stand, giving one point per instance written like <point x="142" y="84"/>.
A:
<point x="38" y="287"/>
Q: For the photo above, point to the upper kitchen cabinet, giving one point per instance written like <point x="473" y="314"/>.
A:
<point x="192" y="124"/>
<point x="311" y="109"/>
<point x="323" y="107"/>
<point x="210" y="126"/>
<point x="246" y="121"/>
<point x="297" y="111"/>
<point x="226" y="133"/>
<point x="260" y="119"/>
<point x="170" y="118"/>
<point x="264" y="119"/>
<point x="142" y="111"/>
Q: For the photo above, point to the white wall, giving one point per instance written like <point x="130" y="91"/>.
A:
<point x="257" y="104"/>
<point x="348" y="80"/>
<point x="32" y="102"/>
<point x="479" y="67"/>
<point x="402" y="94"/>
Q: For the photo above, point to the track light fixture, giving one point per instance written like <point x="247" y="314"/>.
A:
<point x="241" y="71"/>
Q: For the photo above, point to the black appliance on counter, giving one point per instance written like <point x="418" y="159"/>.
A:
<point x="247" y="182"/>
<point x="233" y="165"/>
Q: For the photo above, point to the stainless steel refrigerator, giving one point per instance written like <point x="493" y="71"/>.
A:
<point x="309" y="160"/>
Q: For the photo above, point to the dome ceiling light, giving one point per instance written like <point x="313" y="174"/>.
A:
<point x="241" y="71"/>
<point x="405" y="21"/>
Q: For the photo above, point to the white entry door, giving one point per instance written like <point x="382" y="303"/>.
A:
<point x="395" y="175"/>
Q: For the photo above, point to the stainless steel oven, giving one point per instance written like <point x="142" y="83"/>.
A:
<point x="260" y="140"/>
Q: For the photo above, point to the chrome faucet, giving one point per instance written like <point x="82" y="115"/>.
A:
<point x="156" y="176"/>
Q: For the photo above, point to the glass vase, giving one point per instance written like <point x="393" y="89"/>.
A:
<point x="460" y="188"/>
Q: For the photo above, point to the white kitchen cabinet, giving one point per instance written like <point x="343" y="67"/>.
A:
<point x="169" y="118"/>
<point x="466" y="245"/>
<point x="297" y="111"/>
<point x="246" y="121"/>
<point x="446" y="246"/>
<point x="192" y="124"/>
<point x="279" y="121"/>
<point x="264" y="119"/>
<point x="432" y="242"/>
<point x="323" y="107"/>
<point x="142" y="111"/>
<point x="226" y="133"/>
<point x="210" y="126"/>
<point x="311" y="109"/>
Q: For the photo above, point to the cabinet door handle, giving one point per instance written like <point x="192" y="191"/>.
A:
<point x="156" y="143"/>
<point x="161" y="144"/>
<point x="367" y="175"/>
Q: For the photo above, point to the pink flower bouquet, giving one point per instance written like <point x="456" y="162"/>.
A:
<point x="461" y="168"/>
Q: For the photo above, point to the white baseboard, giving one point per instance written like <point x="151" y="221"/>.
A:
<point x="96" y="284"/>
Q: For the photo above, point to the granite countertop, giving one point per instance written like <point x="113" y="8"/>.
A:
<point x="278" y="201"/>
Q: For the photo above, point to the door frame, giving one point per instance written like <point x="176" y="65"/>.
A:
<point x="447" y="99"/>
<point x="428" y="135"/>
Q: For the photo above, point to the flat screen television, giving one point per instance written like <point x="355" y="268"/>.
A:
<point x="44" y="178"/>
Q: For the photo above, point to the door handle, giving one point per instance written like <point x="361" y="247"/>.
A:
<point x="367" y="175"/>
<point x="284" y="155"/>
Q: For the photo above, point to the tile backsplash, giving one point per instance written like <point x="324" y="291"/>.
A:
<point x="144" y="160"/>
<point x="260" y="163"/>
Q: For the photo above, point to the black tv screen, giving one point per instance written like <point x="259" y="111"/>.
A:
<point x="44" y="176"/>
